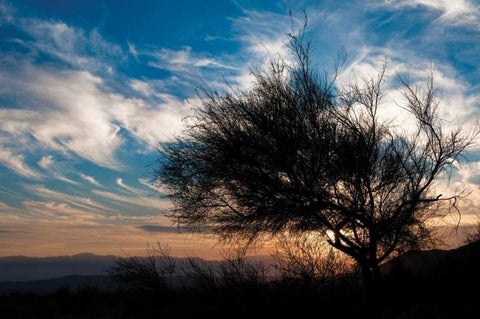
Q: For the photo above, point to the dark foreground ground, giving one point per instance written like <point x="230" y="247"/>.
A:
<point x="412" y="298"/>
<point x="434" y="284"/>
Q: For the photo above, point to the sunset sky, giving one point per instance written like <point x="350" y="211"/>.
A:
<point x="89" y="88"/>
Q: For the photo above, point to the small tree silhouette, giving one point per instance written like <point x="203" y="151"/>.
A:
<point x="154" y="272"/>
<point x="307" y="260"/>
<point x="297" y="153"/>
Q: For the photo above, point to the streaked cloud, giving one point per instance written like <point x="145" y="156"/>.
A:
<point x="142" y="87"/>
<point x="16" y="162"/>
<point x="47" y="163"/>
<point x="88" y="51"/>
<point x="172" y="229"/>
<point x="464" y="13"/>
<point x="148" y="202"/>
<point x="56" y="211"/>
<point x="72" y="114"/>
<point x="184" y="60"/>
<point x="131" y="189"/>
<point x="67" y="113"/>
<point x="90" y="179"/>
<point x="162" y="229"/>
<point x="80" y="202"/>
<point x="149" y="184"/>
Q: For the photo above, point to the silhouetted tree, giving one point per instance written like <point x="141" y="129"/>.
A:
<point x="297" y="153"/>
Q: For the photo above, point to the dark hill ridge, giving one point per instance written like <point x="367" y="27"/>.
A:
<point x="21" y="268"/>
<point x="463" y="261"/>
<point x="47" y="286"/>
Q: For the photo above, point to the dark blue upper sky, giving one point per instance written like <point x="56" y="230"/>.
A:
<point x="89" y="88"/>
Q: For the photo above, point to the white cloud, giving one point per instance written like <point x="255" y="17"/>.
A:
<point x="458" y="104"/>
<point x="128" y="188"/>
<point x="90" y="179"/>
<point x="453" y="12"/>
<point x="465" y="178"/>
<point x="97" y="45"/>
<point x="147" y="183"/>
<point x="69" y="44"/>
<point x="7" y="209"/>
<point x="73" y="112"/>
<point x="141" y="87"/>
<point x="261" y="36"/>
<point x="80" y="202"/>
<point x="150" y="124"/>
<point x="6" y="13"/>
<point x="148" y="202"/>
<point x="184" y="60"/>
<point x="132" y="50"/>
<point x="17" y="163"/>
<point x="263" y="40"/>
<point x="56" y="211"/>
<point x="48" y="164"/>
<point x="68" y="113"/>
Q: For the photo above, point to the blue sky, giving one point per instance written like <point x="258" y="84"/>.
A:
<point x="89" y="88"/>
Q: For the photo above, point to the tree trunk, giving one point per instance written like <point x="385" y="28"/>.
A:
<point x="368" y="280"/>
<point x="372" y="280"/>
<point x="377" y="276"/>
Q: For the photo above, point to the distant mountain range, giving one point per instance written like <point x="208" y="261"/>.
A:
<point x="21" y="268"/>
<point x="45" y="275"/>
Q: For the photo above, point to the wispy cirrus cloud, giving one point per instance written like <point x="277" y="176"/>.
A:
<point x="58" y="211"/>
<point x="16" y="162"/>
<point x="149" y="184"/>
<point x="458" y="104"/>
<point x="80" y="202"/>
<point x="66" y="113"/>
<point x="48" y="163"/>
<point x="71" y="45"/>
<point x="465" y="13"/>
<point x="70" y="113"/>
<point x="67" y="108"/>
<point x="131" y="189"/>
<point x="142" y="201"/>
<point x="7" y="209"/>
<point x="165" y="229"/>
<point x="184" y="60"/>
<point x="142" y="87"/>
<point x="90" y="179"/>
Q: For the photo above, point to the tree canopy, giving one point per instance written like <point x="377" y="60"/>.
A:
<point x="297" y="152"/>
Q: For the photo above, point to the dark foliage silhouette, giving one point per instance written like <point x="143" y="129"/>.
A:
<point x="154" y="272"/>
<point x="307" y="261"/>
<point x="298" y="153"/>
<point x="158" y="271"/>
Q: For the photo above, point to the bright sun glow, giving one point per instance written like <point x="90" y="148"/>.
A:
<point x="330" y="235"/>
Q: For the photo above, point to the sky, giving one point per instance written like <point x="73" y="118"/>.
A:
<point x="88" y="90"/>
